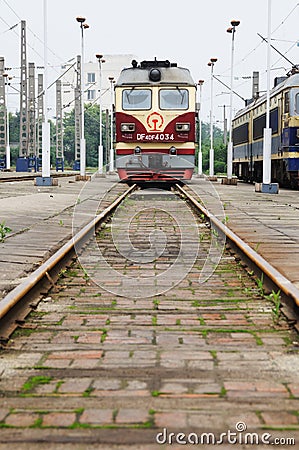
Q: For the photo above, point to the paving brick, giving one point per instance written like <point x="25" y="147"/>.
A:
<point x="3" y="413"/>
<point x="294" y="388"/>
<point x="171" y="420"/>
<point x="205" y="388"/>
<point x="136" y="385"/>
<point x="131" y="416"/>
<point x="58" y="363"/>
<point x="175" y="388"/>
<point x="58" y="419"/>
<point x="207" y="421"/>
<point x="104" y="384"/>
<point x="84" y="363"/>
<point x="202" y="365"/>
<point x="251" y="419"/>
<point x="97" y="416"/>
<point x="97" y="354"/>
<point x="25" y="419"/>
<point x="76" y="385"/>
<point x="279" y="418"/>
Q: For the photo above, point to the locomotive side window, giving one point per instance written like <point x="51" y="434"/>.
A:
<point x="134" y="99"/>
<point x="297" y="104"/>
<point x="174" y="98"/>
<point x="287" y="102"/>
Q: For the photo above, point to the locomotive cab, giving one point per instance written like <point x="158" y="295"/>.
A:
<point x="155" y="122"/>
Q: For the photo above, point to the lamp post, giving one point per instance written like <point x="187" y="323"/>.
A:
<point x="83" y="26"/>
<point x="232" y="30"/>
<point x="111" y="158"/>
<point x="45" y="179"/>
<point x="211" y="64"/>
<point x="46" y="155"/>
<point x="200" y="83"/>
<point x="100" y="152"/>
<point x="7" y="83"/>
<point x="267" y="186"/>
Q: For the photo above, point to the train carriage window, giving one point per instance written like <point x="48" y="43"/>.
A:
<point x="135" y="99"/>
<point x="297" y="104"/>
<point x="174" y="98"/>
<point x="287" y="102"/>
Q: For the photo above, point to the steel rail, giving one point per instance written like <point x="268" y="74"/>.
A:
<point x="16" y="294"/>
<point x="279" y="280"/>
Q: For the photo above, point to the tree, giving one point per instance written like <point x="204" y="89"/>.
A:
<point x="14" y="136"/>
<point x="219" y="149"/>
<point x="91" y="133"/>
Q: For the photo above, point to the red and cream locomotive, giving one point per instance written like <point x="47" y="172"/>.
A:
<point x="155" y="122"/>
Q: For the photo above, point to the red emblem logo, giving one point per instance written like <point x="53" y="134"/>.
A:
<point x="155" y="121"/>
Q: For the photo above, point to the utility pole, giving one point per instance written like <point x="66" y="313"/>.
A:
<point x="111" y="157"/>
<point x="78" y="115"/>
<point x="211" y="64"/>
<point x="22" y="161"/>
<point x="224" y="126"/>
<point x="100" y="148"/>
<point x="59" y="129"/>
<point x="107" y="137"/>
<point x="199" y="163"/>
<point x="32" y="163"/>
<point x="40" y="119"/>
<point x="3" y="117"/>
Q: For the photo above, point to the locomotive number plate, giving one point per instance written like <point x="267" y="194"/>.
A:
<point x="155" y="137"/>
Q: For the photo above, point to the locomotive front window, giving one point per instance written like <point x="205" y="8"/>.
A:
<point x="135" y="99"/>
<point x="174" y="98"/>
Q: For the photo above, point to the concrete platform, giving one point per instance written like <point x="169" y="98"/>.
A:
<point x="268" y="223"/>
<point x="41" y="221"/>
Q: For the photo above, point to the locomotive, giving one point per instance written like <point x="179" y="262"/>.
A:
<point x="248" y="125"/>
<point x="155" y="122"/>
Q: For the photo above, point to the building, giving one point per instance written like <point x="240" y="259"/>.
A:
<point x="110" y="68"/>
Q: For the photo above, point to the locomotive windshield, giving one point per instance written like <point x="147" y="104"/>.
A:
<point x="133" y="99"/>
<point x="174" y="98"/>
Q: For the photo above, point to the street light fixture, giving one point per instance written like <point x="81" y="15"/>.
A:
<point x="232" y="30"/>
<point x="200" y="83"/>
<point x="100" y="152"/>
<point x="111" y="158"/>
<point x="81" y="20"/>
<point x="211" y="64"/>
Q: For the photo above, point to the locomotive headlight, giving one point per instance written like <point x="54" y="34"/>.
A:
<point x="172" y="150"/>
<point x="137" y="150"/>
<point x="182" y="126"/>
<point x="127" y="127"/>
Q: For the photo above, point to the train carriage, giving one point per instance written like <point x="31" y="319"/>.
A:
<point x="248" y="126"/>
<point x="155" y="122"/>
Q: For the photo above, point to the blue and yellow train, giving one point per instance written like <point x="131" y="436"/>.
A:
<point x="248" y="126"/>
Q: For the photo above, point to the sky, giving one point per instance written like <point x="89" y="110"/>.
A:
<point x="188" y="32"/>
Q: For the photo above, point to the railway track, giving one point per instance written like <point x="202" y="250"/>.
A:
<point x="32" y="176"/>
<point x="154" y="325"/>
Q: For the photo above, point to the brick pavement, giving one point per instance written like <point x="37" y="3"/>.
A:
<point x="93" y="367"/>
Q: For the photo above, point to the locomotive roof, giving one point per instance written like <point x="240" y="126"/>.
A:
<point x="140" y="75"/>
<point x="289" y="82"/>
